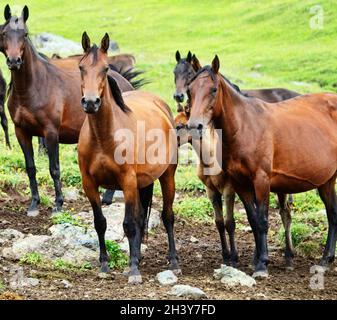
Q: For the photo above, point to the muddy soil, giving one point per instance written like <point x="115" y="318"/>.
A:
<point x="198" y="260"/>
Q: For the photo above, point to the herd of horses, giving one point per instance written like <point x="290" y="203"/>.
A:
<point x="272" y="140"/>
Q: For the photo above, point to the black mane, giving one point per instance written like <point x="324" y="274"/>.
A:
<point x="213" y="76"/>
<point x="117" y="94"/>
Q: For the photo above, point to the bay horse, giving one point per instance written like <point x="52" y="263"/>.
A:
<point x="186" y="69"/>
<point x="4" y="121"/>
<point x="43" y="101"/>
<point x="218" y="185"/>
<point x="109" y="113"/>
<point x="286" y="147"/>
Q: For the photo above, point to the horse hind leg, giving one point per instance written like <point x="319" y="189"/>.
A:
<point x="108" y="196"/>
<point x="145" y="196"/>
<point x="4" y="124"/>
<point x="168" y="190"/>
<point x="328" y="196"/>
<point x="285" y="213"/>
<point x="216" y="199"/>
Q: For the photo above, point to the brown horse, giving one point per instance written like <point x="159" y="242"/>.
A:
<point x="286" y="147"/>
<point x="109" y="115"/>
<point x="186" y="69"/>
<point x="120" y="62"/>
<point x="219" y="185"/>
<point x="43" y="101"/>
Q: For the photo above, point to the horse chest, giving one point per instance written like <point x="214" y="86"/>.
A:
<point x="25" y="119"/>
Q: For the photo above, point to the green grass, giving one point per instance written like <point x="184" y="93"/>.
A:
<point x="67" y="217"/>
<point x="193" y="207"/>
<point x="118" y="260"/>
<point x="32" y="258"/>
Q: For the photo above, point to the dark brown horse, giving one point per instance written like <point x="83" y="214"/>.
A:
<point x="286" y="147"/>
<point x="110" y="115"/>
<point x="43" y="101"/>
<point x="186" y="69"/>
<point x="4" y="121"/>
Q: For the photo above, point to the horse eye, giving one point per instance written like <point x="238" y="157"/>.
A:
<point x="81" y="68"/>
<point x="214" y="91"/>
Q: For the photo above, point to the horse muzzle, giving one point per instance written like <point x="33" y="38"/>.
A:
<point x="90" y="106"/>
<point x="14" y="63"/>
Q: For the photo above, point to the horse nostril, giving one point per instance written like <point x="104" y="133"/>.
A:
<point x="19" y="60"/>
<point x="8" y="61"/>
<point x="200" y="126"/>
<point x="83" y="101"/>
<point x="98" y="102"/>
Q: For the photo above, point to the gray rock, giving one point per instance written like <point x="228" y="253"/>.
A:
<point x="233" y="277"/>
<point x="187" y="291"/>
<point x="10" y="235"/>
<point x="49" y="44"/>
<point x="166" y="278"/>
<point x="71" y="194"/>
<point x="19" y="281"/>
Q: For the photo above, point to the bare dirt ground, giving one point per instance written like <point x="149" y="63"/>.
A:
<point x="197" y="271"/>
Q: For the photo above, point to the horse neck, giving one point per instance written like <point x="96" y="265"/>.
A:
<point x="102" y="122"/>
<point x="32" y="73"/>
<point x="230" y="106"/>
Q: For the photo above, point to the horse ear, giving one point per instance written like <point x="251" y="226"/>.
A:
<point x="25" y="13"/>
<point x="105" y="43"/>
<point x="216" y="64"/>
<point x="178" y="57"/>
<point x="85" y="42"/>
<point x="7" y="12"/>
<point x="189" y="57"/>
<point x="195" y="63"/>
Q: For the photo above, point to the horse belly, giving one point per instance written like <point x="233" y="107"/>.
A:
<point x="147" y="174"/>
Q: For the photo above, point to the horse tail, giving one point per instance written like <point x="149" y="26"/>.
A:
<point x="131" y="75"/>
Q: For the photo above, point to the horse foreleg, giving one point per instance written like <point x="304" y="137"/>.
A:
<point x="26" y="145"/>
<point x="133" y="226"/>
<point x="91" y="191"/>
<point x="262" y="192"/>
<point x="4" y="124"/>
<point x="328" y="195"/>
<point x="52" y="143"/>
<point x="229" y="196"/>
<point x="168" y="190"/>
<point x="285" y="212"/>
<point x="216" y="199"/>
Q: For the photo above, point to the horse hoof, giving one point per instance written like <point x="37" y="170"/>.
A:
<point x="260" y="275"/>
<point x="33" y="213"/>
<point x="290" y="268"/>
<point x="135" y="280"/>
<point x="177" y="272"/>
<point x="104" y="267"/>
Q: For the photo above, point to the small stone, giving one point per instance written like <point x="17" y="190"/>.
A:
<point x="33" y="213"/>
<point x="247" y="229"/>
<point x="242" y="211"/>
<point x="66" y="284"/>
<point x="199" y="256"/>
<point x="187" y="291"/>
<point x="233" y="277"/>
<point x="71" y="194"/>
<point x="103" y="275"/>
<point x="194" y="239"/>
<point x="32" y="282"/>
<point x="166" y="278"/>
